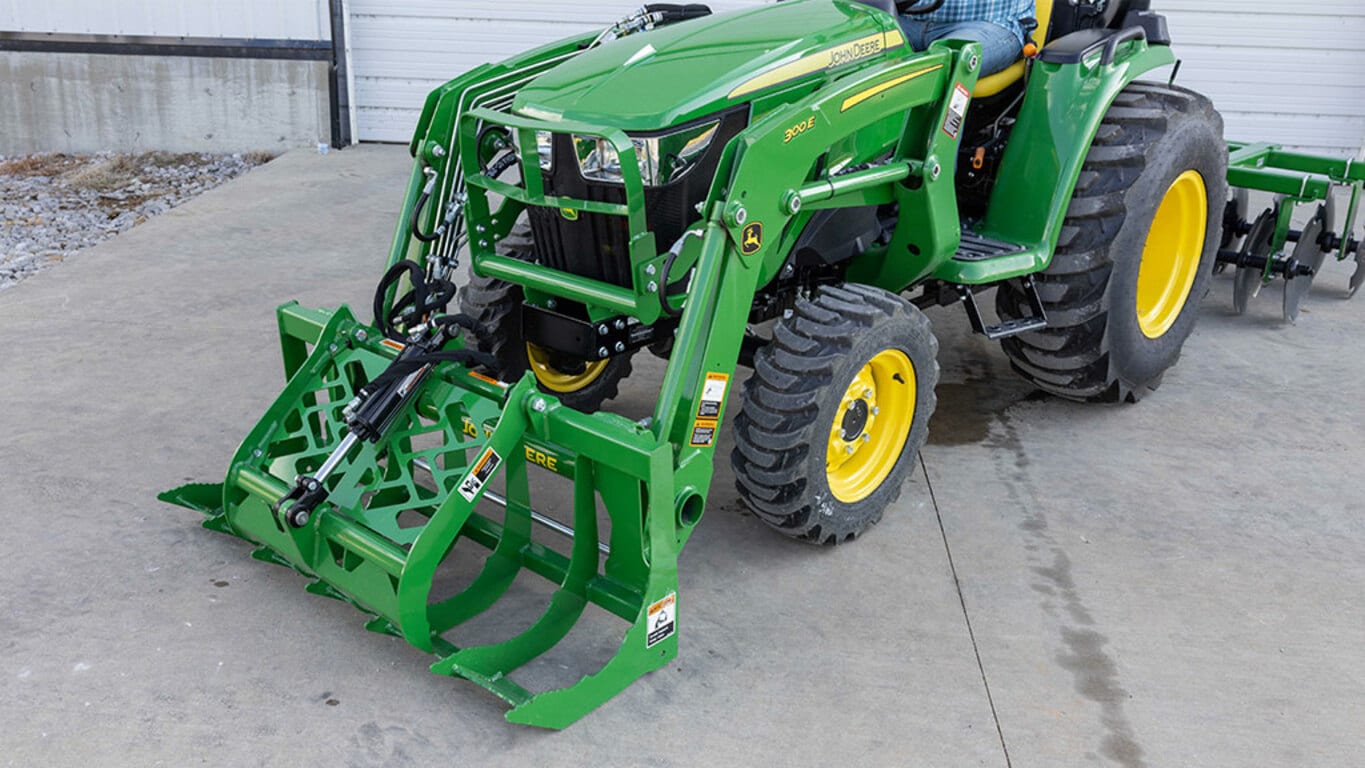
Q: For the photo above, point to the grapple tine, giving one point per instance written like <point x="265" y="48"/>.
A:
<point x="381" y="626"/>
<point x="322" y="589"/>
<point x="566" y="605"/>
<point x="206" y="498"/>
<point x="268" y="555"/>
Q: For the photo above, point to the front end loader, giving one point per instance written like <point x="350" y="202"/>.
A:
<point x="760" y="189"/>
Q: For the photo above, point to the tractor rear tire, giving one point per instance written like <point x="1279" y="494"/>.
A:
<point x="1136" y="253"/>
<point x="496" y="305"/>
<point x="835" y="413"/>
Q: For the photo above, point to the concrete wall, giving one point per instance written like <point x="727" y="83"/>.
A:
<point x="91" y="102"/>
<point x="297" y="19"/>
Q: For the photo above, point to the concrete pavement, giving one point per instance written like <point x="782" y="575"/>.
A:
<point x="1175" y="583"/>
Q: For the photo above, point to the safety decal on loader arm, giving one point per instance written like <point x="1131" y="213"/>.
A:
<point x="663" y="620"/>
<point x="957" y="111"/>
<point x="479" y="476"/>
<point x="712" y="399"/>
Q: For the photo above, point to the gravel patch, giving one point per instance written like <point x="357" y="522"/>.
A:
<point x="55" y="205"/>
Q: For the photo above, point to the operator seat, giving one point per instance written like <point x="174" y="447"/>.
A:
<point x="993" y="84"/>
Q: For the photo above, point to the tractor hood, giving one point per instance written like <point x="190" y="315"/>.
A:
<point x="668" y="76"/>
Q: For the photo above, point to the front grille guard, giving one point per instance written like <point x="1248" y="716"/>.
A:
<point x="493" y="206"/>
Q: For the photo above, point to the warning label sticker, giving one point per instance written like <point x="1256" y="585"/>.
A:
<point x="704" y="433"/>
<point x="480" y="475"/>
<point x="957" y="110"/>
<point x="487" y="379"/>
<point x="712" y="396"/>
<point x="663" y="620"/>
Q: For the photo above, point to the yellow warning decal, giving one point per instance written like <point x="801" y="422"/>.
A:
<point x="662" y="620"/>
<point x="704" y="433"/>
<point x="486" y="378"/>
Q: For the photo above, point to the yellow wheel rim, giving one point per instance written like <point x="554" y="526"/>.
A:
<point x="871" y="426"/>
<point x="557" y="380"/>
<point x="1170" y="260"/>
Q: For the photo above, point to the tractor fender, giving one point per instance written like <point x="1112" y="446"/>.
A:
<point x="1063" y="107"/>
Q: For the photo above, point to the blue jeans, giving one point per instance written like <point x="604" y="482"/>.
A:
<point x="999" y="46"/>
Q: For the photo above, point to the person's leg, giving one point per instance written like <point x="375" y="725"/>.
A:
<point x="999" y="46"/>
<point x="916" y="32"/>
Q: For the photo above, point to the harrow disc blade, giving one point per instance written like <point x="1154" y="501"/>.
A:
<point x="1246" y="287"/>
<point x="1357" y="279"/>
<point x="1250" y="279"/>
<point x="1309" y="253"/>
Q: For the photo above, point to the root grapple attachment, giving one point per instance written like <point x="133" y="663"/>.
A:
<point x="394" y="510"/>
<point x="1256" y="248"/>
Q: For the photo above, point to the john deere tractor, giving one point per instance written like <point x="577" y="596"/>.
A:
<point x="785" y="190"/>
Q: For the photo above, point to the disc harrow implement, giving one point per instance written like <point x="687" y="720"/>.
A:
<point x="1295" y="180"/>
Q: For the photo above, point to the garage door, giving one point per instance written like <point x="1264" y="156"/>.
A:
<point x="1286" y="72"/>
<point x="403" y="49"/>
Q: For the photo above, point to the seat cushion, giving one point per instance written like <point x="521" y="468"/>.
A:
<point x="993" y="84"/>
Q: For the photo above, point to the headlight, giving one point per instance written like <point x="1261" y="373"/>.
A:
<point x="663" y="159"/>
<point x="545" y="146"/>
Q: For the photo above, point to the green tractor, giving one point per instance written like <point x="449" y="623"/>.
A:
<point x="785" y="189"/>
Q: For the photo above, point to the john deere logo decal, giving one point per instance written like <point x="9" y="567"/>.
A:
<point x="569" y="214"/>
<point x="752" y="239"/>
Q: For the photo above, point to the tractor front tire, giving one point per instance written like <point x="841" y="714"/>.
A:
<point x="496" y="305"/>
<point x="835" y="413"/>
<point x="1136" y="253"/>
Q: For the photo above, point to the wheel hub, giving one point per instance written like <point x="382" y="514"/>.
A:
<point x="855" y="420"/>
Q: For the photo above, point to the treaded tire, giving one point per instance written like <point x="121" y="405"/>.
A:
<point x="496" y="304"/>
<point x="1094" y="348"/>
<point x="783" y="432"/>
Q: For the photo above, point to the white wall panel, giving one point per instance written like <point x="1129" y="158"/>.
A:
<point x="402" y="50"/>
<point x="1292" y="73"/>
<point x="276" y="19"/>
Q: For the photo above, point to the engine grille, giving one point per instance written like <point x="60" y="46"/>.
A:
<point x="597" y="246"/>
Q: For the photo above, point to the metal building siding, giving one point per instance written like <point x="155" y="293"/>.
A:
<point x="1289" y="73"/>
<point x="402" y="50"/>
<point x="269" y="19"/>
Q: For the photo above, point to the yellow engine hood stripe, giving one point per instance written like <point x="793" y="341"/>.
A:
<point x="829" y="58"/>
<point x="859" y="98"/>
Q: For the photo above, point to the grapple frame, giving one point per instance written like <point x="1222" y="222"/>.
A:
<point x="360" y="549"/>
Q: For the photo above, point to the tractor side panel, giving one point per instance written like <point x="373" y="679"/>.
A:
<point x="1063" y="108"/>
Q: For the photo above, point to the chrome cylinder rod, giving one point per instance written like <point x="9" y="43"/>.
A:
<point x="536" y="517"/>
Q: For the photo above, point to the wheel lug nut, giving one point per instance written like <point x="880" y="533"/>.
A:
<point x="849" y="450"/>
<point x="876" y="411"/>
<point x="867" y="394"/>
<point x="867" y="438"/>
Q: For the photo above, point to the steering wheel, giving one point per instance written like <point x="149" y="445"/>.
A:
<point x="909" y="6"/>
